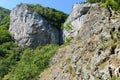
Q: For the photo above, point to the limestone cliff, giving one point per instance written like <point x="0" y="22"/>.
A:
<point x="76" y="19"/>
<point x="94" y="53"/>
<point x="31" y="29"/>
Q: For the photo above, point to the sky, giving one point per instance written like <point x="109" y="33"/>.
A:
<point x="62" y="5"/>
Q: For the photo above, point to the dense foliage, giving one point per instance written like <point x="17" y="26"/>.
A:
<point x="55" y="17"/>
<point x="115" y="4"/>
<point x="33" y="62"/>
<point x="9" y="55"/>
<point x="23" y="63"/>
<point x="4" y="24"/>
<point x="4" y="33"/>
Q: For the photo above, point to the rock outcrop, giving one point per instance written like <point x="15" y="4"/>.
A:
<point x="29" y="28"/>
<point x="94" y="54"/>
<point x="76" y="19"/>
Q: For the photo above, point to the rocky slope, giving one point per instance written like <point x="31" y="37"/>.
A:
<point x="93" y="53"/>
<point x="31" y="29"/>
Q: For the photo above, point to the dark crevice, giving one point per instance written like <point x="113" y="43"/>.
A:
<point x="111" y="32"/>
<point x="99" y="52"/>
<point x="109" y="9"/>
<point x="113" y="29"/>
<point x="61" y="40"/>
<point x="113" y="49"/>
<point x="110" y="71"/>
<point x="119" y="29"/>
<point x="25" y="19"/>
<point x="2" y="54"/>
<point x="119" y="70"/>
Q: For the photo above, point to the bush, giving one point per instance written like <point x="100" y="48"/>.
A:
<point x="114" y="4"/>
<point x="67" y="26"/>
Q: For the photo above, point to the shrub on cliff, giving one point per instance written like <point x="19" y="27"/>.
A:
<point x="114" y="4"/>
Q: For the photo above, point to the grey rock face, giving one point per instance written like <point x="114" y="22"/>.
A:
<point x="76" y="19"/>
<point x="97" y="16"/>
<point x="29" y="28"/>
<point x="78" y="10"/>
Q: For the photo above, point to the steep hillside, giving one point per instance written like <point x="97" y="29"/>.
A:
<point x="94" y="52"/>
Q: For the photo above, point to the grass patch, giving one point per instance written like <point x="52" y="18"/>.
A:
<point x="67" y="27"/>
<point x="113" y="78"/>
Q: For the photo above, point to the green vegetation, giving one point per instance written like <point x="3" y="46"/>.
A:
<point x="4" y="11"/>
<point x="114" y="4"/>
<point x="55" y="17"/>
<point x="113" y="78"/>
<point x="9" y="55"/>
<point x="9" y="51"/>
<point x="67" y="26"/>
<point x="22" y="63"/>
<point x="4" y="17"/>
<point x="4" y="36"/>
<point x="4" y="24"/>
<point x="33" y="62"/>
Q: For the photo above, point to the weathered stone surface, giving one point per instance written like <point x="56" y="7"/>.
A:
<point x="76" y="19"/>
<point x="95" y="17"/>
<point x="96" y="56"/>
<point x="29" y="28"/>
<point x="78" y="10"/>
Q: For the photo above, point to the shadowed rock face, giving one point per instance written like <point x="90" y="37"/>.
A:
<point x="29" y="28"/>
